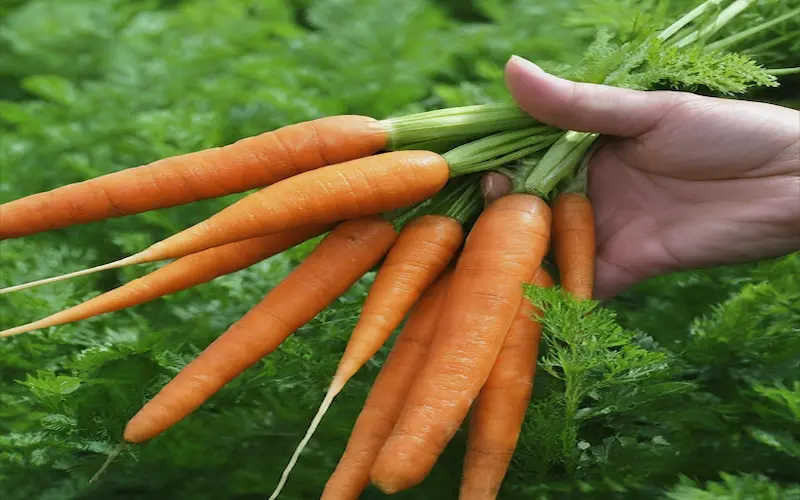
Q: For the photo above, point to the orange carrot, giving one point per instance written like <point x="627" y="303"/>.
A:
<point x="574" y="243"/>
<point x="385" y="400"/>
<point x="342" y="257"/>
<point x="422" y="251"/>
<point x="506" y="245"/>
<point x="346" y="190"/>
<point x="497" y="415"/>
<point x="249" y="163"/>
<point x="181" y="274"/>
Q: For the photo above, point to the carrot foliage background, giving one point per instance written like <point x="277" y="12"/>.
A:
<point x="685" y="387"/>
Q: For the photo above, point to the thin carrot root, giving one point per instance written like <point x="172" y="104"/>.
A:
<point x="333" y="390"/>
<point x="111" y="456"/>
<point x="138" y="258"/>
<point x="388" y="393"/>
<point x="422" y="251"/>
<point x="184" y="273"/>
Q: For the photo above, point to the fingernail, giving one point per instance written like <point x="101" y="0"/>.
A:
<point x="525" y="64"/>
<point x="487" y="187"/>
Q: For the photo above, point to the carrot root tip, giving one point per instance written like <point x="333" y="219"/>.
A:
<point x="111" y="456"/>
<point x="333" y="390"/>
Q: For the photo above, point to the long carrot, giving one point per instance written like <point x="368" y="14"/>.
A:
<point x="497" y="415"/>
<point x="181" y="274"/>
<point x="385" y="400"/>
<point x="342" y="257"/>
<point x="247" y="164"/>
<point x="506" y="245"/>
<point x="574" y="243"/>
<point x="329" y="194"/>
<point x="423" y="249"/>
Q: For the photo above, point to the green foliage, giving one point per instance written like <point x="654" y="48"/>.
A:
<point x="746" y="486"/>
<point x="658" y="394"/>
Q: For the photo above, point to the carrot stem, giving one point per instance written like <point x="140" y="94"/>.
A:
<point x="457" y="122"/>
<point x="467" y="205"/>
<point x="722" y="19"/>
<point x="742" y="35"/>
<point x="687" y="18"/>
<point x="498" y="150"/>
<point x="784" y="71"/>
<point x="559" y="162"/>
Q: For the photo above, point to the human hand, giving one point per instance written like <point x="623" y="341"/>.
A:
<point x="678" y="181"/>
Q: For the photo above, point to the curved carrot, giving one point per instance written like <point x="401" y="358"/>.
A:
<point x="423" y="249"/>
<point x="326" y="195"/>
<point x="574" y="243"/>
<point x="342" y="257"/>
<point x="506" y="245"/>
<point x="249" y="163"/>
<point x="385" y="400"/>
<point x="498" y="413"/>
<point x="181" y="274"/>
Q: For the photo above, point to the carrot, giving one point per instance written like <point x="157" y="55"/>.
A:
<point x="181" y="274"/>
<point x="506" y="245"/>
<point x="385" y="400"/>
<point x="329" y="194"/>
<point x="423" y="249"/>
<point x="342" y="257"/>
<point x="497" y="415"/>
<point x="249" y="163"/>
<point x="574" y="243"/>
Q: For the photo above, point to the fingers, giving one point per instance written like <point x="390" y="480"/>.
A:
<point x="494" y="185"/>
<point x="586" y="107"/>
<point x="611" y="280"/>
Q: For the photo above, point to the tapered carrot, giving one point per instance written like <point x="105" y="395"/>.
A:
<point x="497" y="415"/>
<point x="342" y="257"/>
<point x="247" y="164"/>
<point x="385" y="400"/>
<point x="181" y="274"/>
<point x="329" y="194"/>
<point x="574" y="243"/>
<point x="422" y="251"/>
<point x="506" y="245"/>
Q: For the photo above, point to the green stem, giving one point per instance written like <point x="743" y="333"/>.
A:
<point x="439" y="203"/>
<point x="559" y="162"/>
<point x="784" y="71"/>
<point x="462" y="122"/>
<point x="440" y="145"/>
<point x="757" y="49"/>
<point x="722" y="19"/>
<point x="737" y="37"/>
<point x="497" y="150"/>
<point x="500" y="161"/>
<point x="687" y="18"/>
<point x="467" y="205"/>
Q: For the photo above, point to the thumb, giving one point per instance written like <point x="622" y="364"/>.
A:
<point x="586" y="107"/>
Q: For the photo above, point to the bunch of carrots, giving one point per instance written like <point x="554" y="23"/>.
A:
<point x="401" y="194"/>
<point x="451" y="267"/>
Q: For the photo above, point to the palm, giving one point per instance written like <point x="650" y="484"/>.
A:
<point x="703" y="187"/>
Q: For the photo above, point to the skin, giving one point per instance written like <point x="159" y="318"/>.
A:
<point x="678" y="181"/>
